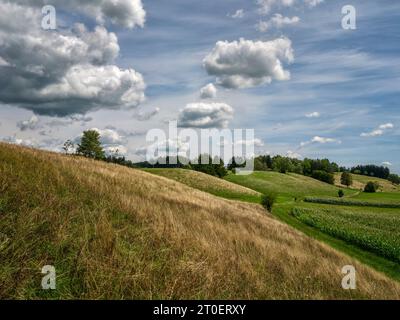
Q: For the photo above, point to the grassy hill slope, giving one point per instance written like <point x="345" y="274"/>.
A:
<point x="114" y="232"/>
<point x="286" y="185"/>
<point x="210" y="184"/>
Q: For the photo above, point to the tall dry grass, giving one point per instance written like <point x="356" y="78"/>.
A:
<point x="119" y="233"/>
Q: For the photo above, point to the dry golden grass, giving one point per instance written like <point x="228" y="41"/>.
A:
<point x="118" y="233"/>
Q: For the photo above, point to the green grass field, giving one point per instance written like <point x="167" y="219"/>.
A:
<point x="287" y="186"/>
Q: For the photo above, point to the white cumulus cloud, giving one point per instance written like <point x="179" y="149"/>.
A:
<point x="65" y="71"/>
<point x="247" y="63"/>
<point x="209" y="91"/>
<point x="205" y="115"/>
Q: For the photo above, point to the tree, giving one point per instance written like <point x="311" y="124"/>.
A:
<point x="68" y="146"/>
<point x="341" y="193"/>
<point x="371" y="187"/>
<point x="207" y="165"/>
<point x="90" y="145"/>
<point x="346" y="179"/>
<point x="282" y="164"/>
<point x="394" y="178"/>
<point x="323" y="176"/>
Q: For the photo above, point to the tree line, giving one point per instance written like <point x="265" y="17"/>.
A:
<point x="320" y="169"/>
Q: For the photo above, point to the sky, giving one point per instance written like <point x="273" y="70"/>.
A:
<point x="285" y="68"/>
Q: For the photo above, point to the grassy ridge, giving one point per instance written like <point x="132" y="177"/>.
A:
<point x="287" y="186"/>
<point x="114" y="232"/>
<point x="375" y="231"/>
<point x="359" y="182"/>
<point x="210" y="184"/>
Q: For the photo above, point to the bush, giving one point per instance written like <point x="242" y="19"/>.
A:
<point x="340" y="193"/>
<point x="268" y="200"/>
<point x="323" y="176"/>
<point x="394" y="178"/>
<point x="371" y="187"/>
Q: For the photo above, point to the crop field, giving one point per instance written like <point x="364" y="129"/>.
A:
<point x="371" y="229"/>
<point x="353" y="202"/>
<point x="379" y="196"/>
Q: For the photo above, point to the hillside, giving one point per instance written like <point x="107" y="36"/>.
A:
<point x="210" y="184"/>
<point x="119" y="233"/>
<point x="288" y="185"/>
<point x="359" y="182"/>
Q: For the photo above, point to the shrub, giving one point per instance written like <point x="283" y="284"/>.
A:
<point x="340" y="193"/>
<point x="371" y="187"/>
<point x="268" y="200"/>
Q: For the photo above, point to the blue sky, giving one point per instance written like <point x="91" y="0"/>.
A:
<point x="341" y="101"/>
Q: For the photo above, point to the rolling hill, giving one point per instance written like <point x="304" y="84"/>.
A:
<point x="359" y="182"/>
<point x="210" y="184"/>
<point x="119" y="233"/>
<point x="287" y="186"/>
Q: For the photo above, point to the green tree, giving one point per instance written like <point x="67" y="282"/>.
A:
<point x="341" y="193"/>
<point x="394" y="178"/>
<point x="371" y="187"/>
<point x="90" y="145"/>
<point x="346" y="179"/>
<point x="282" y="164"/>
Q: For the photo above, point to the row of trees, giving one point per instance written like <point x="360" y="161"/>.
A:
<point x="321" y="169"/>
<point x="371" y="170"/>
<point x="90" y="147"/>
